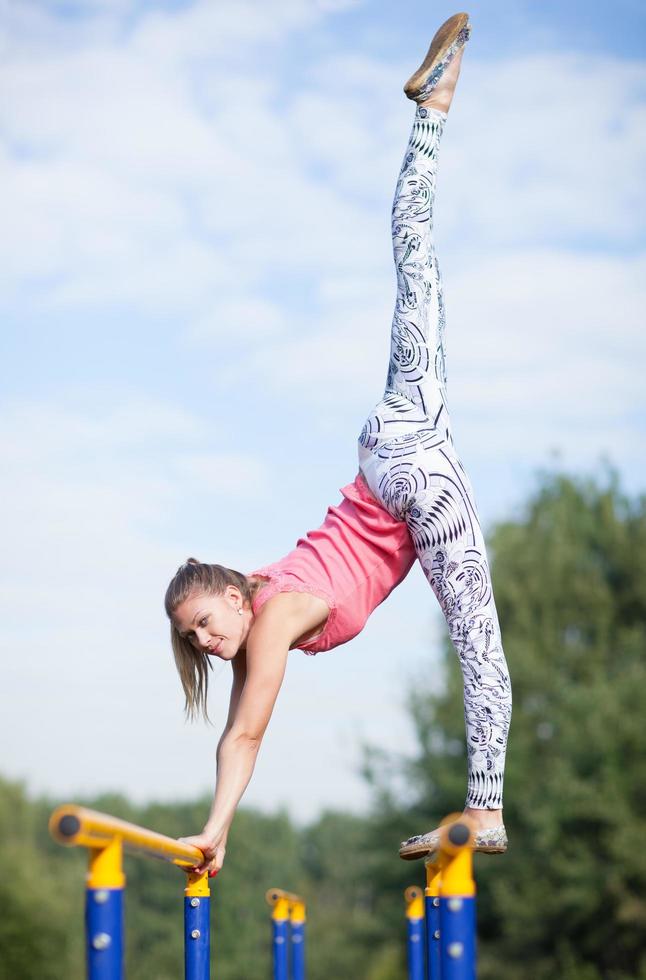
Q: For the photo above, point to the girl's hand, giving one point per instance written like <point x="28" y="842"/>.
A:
<point x="213" y="849"/>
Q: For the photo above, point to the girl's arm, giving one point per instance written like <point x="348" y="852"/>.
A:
<point x="239" y="666"/>
<point x="256" y="683"/>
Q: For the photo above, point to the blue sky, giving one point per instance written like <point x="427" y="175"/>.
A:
<point x="196" y="293"/>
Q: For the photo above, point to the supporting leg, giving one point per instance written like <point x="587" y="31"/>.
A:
<point x="444" y="525"/>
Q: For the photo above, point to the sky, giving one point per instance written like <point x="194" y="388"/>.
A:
<point x="196" y="289"/>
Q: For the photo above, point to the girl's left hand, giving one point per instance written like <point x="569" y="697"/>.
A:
<point x="213" y="849"/>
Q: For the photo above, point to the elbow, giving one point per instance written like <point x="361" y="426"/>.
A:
<point x="249" y="738"/>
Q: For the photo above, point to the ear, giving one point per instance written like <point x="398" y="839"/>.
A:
<point x="233" y="593"/>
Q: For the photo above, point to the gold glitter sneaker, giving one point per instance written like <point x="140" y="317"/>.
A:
<point x="492" y="840"/>
<point x="448" y="40"/>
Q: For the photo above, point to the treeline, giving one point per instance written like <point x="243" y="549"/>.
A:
<point x="568" y="900"/>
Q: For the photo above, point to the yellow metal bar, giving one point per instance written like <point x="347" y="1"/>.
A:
<point x="456" y="838"/>
<point x="297" y="913"/>
<point x="106" y="866"/>
<point x="286" y="905"/>
<point x="457" y="878"/>
<point x="414" y="898"/>
<point x="197" y="886"/>
<point x="433" y="876"/>
<point x="77" y="826"/>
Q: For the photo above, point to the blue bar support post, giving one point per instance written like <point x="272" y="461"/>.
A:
<point x="457" y="905"/>
<point x="415" y="920"/>
<point x="197" y="928"/>
<point x="432" y="909"/>
<point x="104" y="912"/>
<point x="297" y="919"/>
<point x="280" y="926"/>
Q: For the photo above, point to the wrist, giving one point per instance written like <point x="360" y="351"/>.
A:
<point x="216" y="829"/>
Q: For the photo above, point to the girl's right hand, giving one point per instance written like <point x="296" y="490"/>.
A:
<point x="213" y="849"/>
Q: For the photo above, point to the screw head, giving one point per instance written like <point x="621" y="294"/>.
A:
<point x="436" y="934"/>
<point x="454" y="904"/>
<point x="195" y="903"/>
<point x="455" y="950"/>
<point x="101" y="941"/>
<point x="196" y="934"/>
<point x="101" y="896"/>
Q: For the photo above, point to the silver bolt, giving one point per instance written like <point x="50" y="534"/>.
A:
<point x="196" y="934"/>
<point x="195" y="903"/>
<point x="455" y="950"/>
<point x="455" y="904"/>
<point x="101" y="896"/>
<point x="101" y="941"/>
<point x="436" y="903"/>
<point x="436" y="934"/>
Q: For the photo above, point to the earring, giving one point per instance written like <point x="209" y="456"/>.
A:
<point x="239" y="612"/>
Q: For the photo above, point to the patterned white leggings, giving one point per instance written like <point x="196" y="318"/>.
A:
<point x="408" y="459"/>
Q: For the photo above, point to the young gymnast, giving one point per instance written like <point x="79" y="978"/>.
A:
<point x="411" y="499"/>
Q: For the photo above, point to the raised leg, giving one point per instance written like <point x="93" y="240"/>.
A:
<point x="417" y="369"/>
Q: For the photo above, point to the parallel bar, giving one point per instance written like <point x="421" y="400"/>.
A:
<point x="273" y="895"/>
<point x="105" y="838"/>
<point x="77" y="826"/>
<point x="415" y="919"/>
<point x="288" y="910"/>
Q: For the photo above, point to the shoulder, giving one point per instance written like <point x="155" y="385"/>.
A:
<point x="292" y="614"/>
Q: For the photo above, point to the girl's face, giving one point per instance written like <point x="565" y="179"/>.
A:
<point x="212" y="623"/>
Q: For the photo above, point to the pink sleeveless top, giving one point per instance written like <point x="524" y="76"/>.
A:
<point x="352" y="562"/>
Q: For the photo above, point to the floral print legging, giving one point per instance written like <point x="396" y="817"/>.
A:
<point x="408" y="459"/>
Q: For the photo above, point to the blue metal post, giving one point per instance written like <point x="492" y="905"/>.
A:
<point x="104" y="931"/>
<point x="104" y="913"/>
<point x="458" y="928"/>
<point x="197" y="928"/>
<point x="432" y="909"/>
<point x="298" y="946"/>
<point x="280" y="947"/>
<point x="415" y="920"/>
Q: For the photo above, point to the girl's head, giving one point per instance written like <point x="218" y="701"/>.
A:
<point x="209" y="608"/>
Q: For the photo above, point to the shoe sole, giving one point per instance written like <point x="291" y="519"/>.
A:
<point x="414" y="853"/>
<point x="444" y="38"/>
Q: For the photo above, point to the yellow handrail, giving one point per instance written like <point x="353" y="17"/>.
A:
<point x="76" y="826"/>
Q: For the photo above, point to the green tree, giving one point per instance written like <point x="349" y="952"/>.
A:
<point x="38" y="936"/>
<point x="569" y="897"/>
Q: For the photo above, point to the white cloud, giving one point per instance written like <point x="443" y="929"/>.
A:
<point x="81" y="493"/>
<point x="230" y="321"/>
